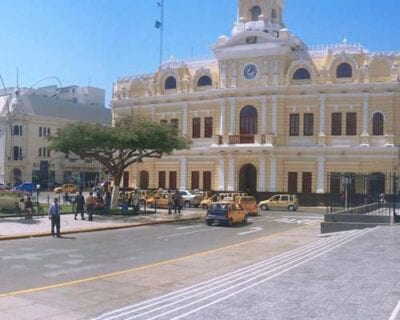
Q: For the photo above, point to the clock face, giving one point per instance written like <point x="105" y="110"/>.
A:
<point x="250" y="71"/>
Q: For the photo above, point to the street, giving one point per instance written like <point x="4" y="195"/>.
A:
<point x="44" y="261"/>
<point x="276" y="267"/>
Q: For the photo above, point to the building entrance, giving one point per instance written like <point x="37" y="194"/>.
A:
<point x="248" y="179"/>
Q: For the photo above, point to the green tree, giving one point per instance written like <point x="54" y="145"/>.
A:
<point x="116" y="148"/>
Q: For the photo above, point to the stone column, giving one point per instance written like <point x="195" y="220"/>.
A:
<point x="261" y="176"/>
<point x="221" y="175"/>
<point x="322" y="107"/>
<point x="233" y="116"/>
<point x="263" y="115"/>
<point x="365" y="113"/>
<point x="231" y="178"/>
<point x="185" y="119"/>
<point x="222" y="117"/>
<point x="274" y="114"/>
<point x="364" y="138"/>
<point x="321" y="175"/>
<point x="272" y="182"/>
<point x="183" y="173"/>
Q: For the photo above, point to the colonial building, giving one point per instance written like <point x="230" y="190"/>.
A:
<point x="269" y="114"/>
<point x="29" y="116"/>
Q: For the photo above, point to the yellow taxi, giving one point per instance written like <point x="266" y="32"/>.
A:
<point x="226" y="212"/>
<point x="159" y="200"/>
<point x="280" y="201"/>
<point x="69" y="187"/>
<point x="248" y="203"/>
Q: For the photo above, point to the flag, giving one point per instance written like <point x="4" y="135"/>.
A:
<point x="158" y="24"/>
<point x="159" y="4"/>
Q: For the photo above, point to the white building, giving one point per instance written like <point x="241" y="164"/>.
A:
<point x="29" y="116"/>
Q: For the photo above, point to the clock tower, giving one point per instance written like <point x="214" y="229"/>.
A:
<point x="268" y="12"/>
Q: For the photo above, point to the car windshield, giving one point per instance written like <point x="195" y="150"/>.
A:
<point x="219" y="206"/>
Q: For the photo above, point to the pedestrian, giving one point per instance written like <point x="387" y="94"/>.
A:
<point x="107" y="200"/>
<point x="28" y="208"/>
<point x="90" y="205"/>
<point x="177" y="202"/>
<point x="136" y="202"/>
<point x="54" y="216"/>
<point x="99" y="203"/>
<point x="80" y="205"/>
<point x="124" y="205"/>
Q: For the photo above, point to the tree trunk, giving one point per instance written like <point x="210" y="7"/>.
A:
<point x="115" y="190"/>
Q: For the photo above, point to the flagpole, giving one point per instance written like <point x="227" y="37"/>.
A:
<point x="162" y="31"/>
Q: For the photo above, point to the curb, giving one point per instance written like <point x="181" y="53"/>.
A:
<point x="96" y="229"/>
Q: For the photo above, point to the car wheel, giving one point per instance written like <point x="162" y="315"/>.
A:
<point x="291" y="208"/>
<point x="264" y="207"/>
<point x="210" y="222"/>
<point x="187" y="204"/>
<point x="204" y="207"/>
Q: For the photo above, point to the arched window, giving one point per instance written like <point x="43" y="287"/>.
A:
<point x="16" y="130"/>
<point x="40" y="131"/>
<point x="344" y="70"/>
<point x="302" y="74"/>
<point x="255" y="13"/>
<point x="204" y="81"/>
<point x="170" y="83"/>
<point x="377" y="124"/>
<point x="248" y="120"/>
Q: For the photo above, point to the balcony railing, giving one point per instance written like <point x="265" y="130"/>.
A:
<point x="242" y="139"/>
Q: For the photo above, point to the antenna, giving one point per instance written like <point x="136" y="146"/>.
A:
<point x="17" y="77"/>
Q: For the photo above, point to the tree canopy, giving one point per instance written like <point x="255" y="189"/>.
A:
<point x="116" y="148"/>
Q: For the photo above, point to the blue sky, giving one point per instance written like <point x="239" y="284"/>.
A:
<point x="97" y="41"/>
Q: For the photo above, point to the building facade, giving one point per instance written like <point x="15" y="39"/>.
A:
<point x="269" y="114"/>
<point x="29" y="117"/>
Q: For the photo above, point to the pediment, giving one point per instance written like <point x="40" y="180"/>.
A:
<point x="246" y="38"/>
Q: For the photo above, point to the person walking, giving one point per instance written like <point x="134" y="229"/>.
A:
<point x="28" y="208"/>
<point x="177" y="202"/>
<point x="54" y="216"/>
<point x="80" y="205"/>
<point x="90" y="205"/>
<point x="136" y="202"/>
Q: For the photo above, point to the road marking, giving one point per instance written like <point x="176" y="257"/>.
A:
<point x="250" y="276"/>
<point x="186" y="233"/>
<point x="252" y="230"/>
<point x="395" y="312"/>
<point x="189" y="227"/>
<point x="141" y="268"/>
<point x="297" y="221"/>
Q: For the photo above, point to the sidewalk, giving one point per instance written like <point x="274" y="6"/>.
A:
<point x="20" y="228"/>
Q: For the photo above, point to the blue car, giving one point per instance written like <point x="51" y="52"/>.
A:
<point x="26" y="187"/>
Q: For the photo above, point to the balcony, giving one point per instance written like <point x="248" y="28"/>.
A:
<point x="242" y="139"/>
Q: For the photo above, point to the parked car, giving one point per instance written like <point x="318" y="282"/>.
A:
<point x="26" y="187"/>
<point x="160" y="200"/>
<point x="248" y="203"/>
<point x="69" y="187"/>
<point x="225" y="212"/>
<point x="280" y="201"/>
<point x="189" y="199"/>
<point x="2" y="186"/>
<point x="207" y="202"/>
